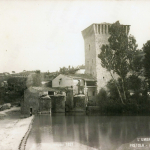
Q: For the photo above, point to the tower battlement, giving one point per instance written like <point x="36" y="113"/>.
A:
<point x="102" y="28"/>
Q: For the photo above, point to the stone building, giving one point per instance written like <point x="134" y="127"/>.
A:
<point x="94" y="37"/>
<point x="80" y="83"/>
<point x="81" y="88"/>
<point x="42" y="100"/>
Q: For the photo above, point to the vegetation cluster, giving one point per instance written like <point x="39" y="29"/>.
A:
<point x="128" y="90"/>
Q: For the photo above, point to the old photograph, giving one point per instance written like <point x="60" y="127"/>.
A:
<point x="74" y="75"/>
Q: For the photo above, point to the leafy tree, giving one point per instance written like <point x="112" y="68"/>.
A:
<point x="136" y="64"/>
<point x="134" y="83"/>
<point x="17" y="82"/>
<point x="112" y="89"/>
<point x="134" y="57"/>
<point x="36" y="78"/>
<point x="146" y="61"/>
<point x="69" y="70"/>
<point x="118" y="56"/>
<point x="102" y="97"/>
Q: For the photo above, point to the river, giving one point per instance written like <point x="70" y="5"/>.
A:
<point x="88" y="132"/>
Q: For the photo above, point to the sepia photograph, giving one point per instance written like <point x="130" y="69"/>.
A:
<point x="75" y="75"/>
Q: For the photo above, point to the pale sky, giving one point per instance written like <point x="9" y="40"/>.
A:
<point x="46" y="35"/>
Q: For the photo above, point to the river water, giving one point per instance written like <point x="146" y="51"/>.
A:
<point x="80" y="132"/>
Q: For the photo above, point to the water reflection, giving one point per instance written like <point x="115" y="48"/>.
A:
<point x="99" y="132"/>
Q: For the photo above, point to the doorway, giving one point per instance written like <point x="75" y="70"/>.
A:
<point x="31" y="111"/>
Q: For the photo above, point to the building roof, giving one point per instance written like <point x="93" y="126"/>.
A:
<point x="45" y="97"/>
<point x="85" y="77"/>
<point x="42" y="89"/>
<point x="64" y="89"/>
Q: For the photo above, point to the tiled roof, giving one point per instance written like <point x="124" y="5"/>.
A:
<point x="44" y="89"/>
<point x="35" y="89"/>
<point x="45" y="97"/>
<point x="40" y="89"/>
<point x="82" y="76"/>
<point x="61" y="88"/>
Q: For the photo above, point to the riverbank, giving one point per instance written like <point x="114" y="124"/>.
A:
<point x="12" y="128"/>
<point x="118" y="110"/>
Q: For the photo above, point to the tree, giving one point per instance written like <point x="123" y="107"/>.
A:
<point x="34" y="79"/>
<point x="146" y="62"/>
<point x="102" y="97"/>
<point x="68" y="70"/>
<point x="134" y="83"/>
<point x="117" y="56"/>
<point x="37" y="78"/>
<point x="112" y="89"/>
<point x="135" y="57"/>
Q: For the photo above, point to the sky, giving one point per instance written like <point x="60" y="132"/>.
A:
<point x="46" y="35"/>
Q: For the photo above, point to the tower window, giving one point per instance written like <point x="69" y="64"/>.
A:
<point x="92" y="61"/>
<point x="89" y="47"/>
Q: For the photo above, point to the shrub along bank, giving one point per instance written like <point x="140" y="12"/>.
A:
<point x="109" y="104"/>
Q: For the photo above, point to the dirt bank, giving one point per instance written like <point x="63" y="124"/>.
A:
<point x="12" y="128"/>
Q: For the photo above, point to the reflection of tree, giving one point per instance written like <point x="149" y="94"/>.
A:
<point x="59" y="128"/>
<point x="37" y="133"/>
<point x="79" y="126"/>
<point x="93" y="131"/>
<point x="70" y="129"/>
<point x="93" y="137"/>
<point x="120" y="130"/>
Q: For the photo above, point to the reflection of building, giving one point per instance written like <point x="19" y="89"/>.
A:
<point x="94" y="37"/>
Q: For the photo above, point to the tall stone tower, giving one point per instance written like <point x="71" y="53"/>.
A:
<point x="94" y="37"/>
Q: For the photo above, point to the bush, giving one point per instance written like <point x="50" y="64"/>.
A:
<point x="91" y="103"/>
<point x="112" y="89"/>
<point x="137" y="104"/>
<point x="102" y="97"/>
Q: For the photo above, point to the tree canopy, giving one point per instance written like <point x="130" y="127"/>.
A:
<point x="119" y="56"/>
<point x="146" y="61"/>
